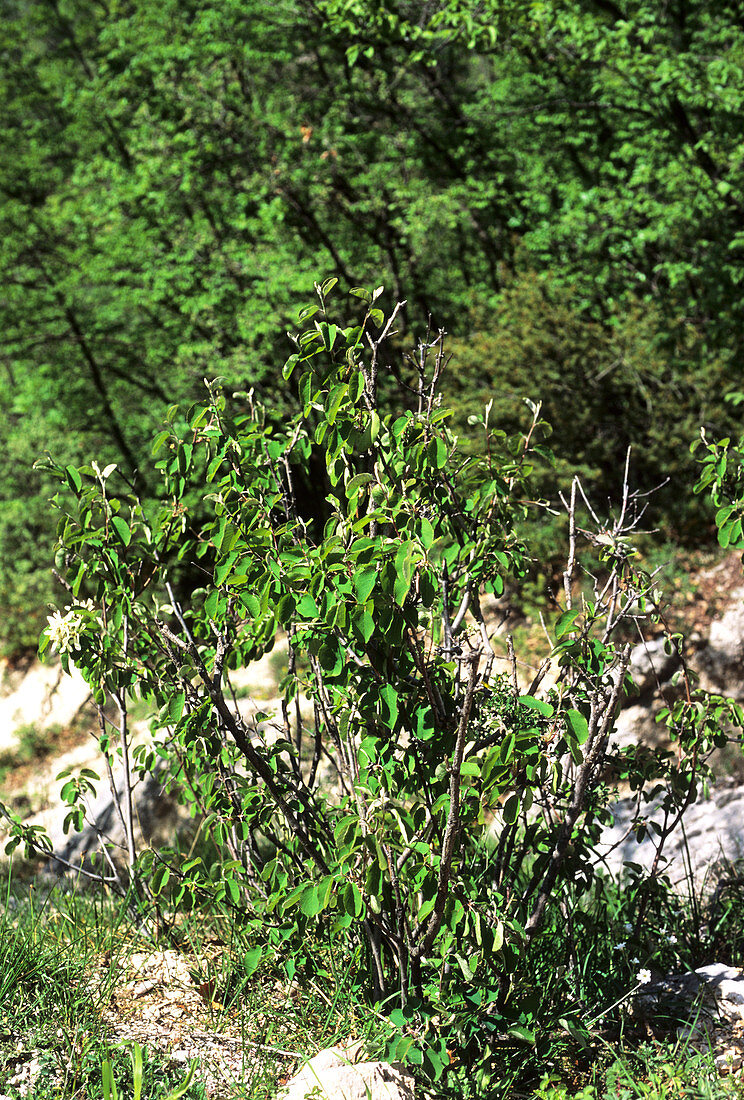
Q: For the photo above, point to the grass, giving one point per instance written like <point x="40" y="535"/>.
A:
<point x="66" y="970"/>
<point x="646" y="1071"/>
<point x="65" y="957"/>
<point x="65" y="964"/>
<point x="51" y="1041"/>
<point x="32" y="744"/>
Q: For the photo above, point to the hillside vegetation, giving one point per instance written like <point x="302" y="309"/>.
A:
<point x="559" y="186"/>
<point x="350" y="321"/>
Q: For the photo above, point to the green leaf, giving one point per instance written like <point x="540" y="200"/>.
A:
<point x="510" y="811"/>
<point x="518" y="1031"/>
<point x="498" y="936"/>
<point x="426" y="908"/>
<point x="222" y="571"/>
<point x="366" y="626"/>
<point x="360" y="292"/>
<point x="252" y="960"/>
<point x="310" y="903"/>
<point x="328" y="334"/>
<point x="437" y="454"/>
<point x="578" y="724"/>
<point x="351" y="897"/>
<point x="354" y="485"/>
<point x="74" y="479"/>
<point x="364" y="581"/>
<point x="405" y="562"/>
<point x="108" y="1082"/>
<point x="175" y="707"/>
<point x="565" y="623"/>
<point x="159" y="442"/>
<point x="401" y="588"/>
<point x="122" y="529"/>
<point x="328" y="286"/>
<point x="426" y="533"/>
<point x="462" y="962"/>
<point x="335" y="400"/>
<point x="325" y="890"/>
<point x="330" y="655"/>
<point x="389" y="699"/>
<point x="285" y="609"/>
<point x="538" y="705"/>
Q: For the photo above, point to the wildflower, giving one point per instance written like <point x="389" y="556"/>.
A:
<point x="619" y="946"/>
<point x="643" y="977"/>
<point x="672" y="939"/>
<point x="628" y="927"/>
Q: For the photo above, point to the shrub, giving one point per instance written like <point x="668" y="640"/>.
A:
<point x="604" y="385"/>
<point x="408" y="792"/>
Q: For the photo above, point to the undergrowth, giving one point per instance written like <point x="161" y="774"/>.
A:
<point x="54" y="938"/>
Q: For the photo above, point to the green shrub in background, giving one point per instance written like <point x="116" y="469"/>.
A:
<point x="604" y="385"/>
<point x="431" y="809"/>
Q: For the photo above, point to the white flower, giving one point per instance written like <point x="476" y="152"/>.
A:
<point x="64" y="631"/>
<point x="628" y="927"/>
<point x="672" y="939"/>
<point x="619" y="946"/>
<point x="643" y="977"/>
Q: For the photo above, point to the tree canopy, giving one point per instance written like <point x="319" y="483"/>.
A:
<point x="177" y="175"/>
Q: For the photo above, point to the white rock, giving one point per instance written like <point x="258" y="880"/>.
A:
<point x="42" y="697"/>
<point x="651" y="665"/>
<point x="732" y="991"/>
<point x="331" y="1076"/>
<point x="712" y="829"/>
<point x="719" y="972"/>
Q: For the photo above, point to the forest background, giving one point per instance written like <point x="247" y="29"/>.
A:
<point x="560" y="186"/>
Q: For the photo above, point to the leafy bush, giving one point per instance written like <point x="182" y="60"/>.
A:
<point x="604" y="385"/>
<point x="409" y="793"/>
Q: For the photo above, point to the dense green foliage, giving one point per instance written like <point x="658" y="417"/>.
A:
<point x="176" y="174"/>
<point x="404" y="795"/>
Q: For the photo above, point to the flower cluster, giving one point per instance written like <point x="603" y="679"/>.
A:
<point x="65" y="631"/>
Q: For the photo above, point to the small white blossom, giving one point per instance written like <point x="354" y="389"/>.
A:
<point x="619" y="946"/>
<point x="65" y="631"/>
<point x="628" y="927"/>
<point x="672" y="939"/>
<point x="643" y="977"/>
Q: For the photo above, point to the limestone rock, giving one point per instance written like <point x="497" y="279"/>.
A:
<point x="156" y="819"/>
<point x="707" y="998"/>
<point x="651" y="665"/>
<point x="636" y="725"/>
<point x="712" y="831"/>
<point x="42" y="696"/>
<point x="332" y="1075"/>
<point x="721" y="662"/>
